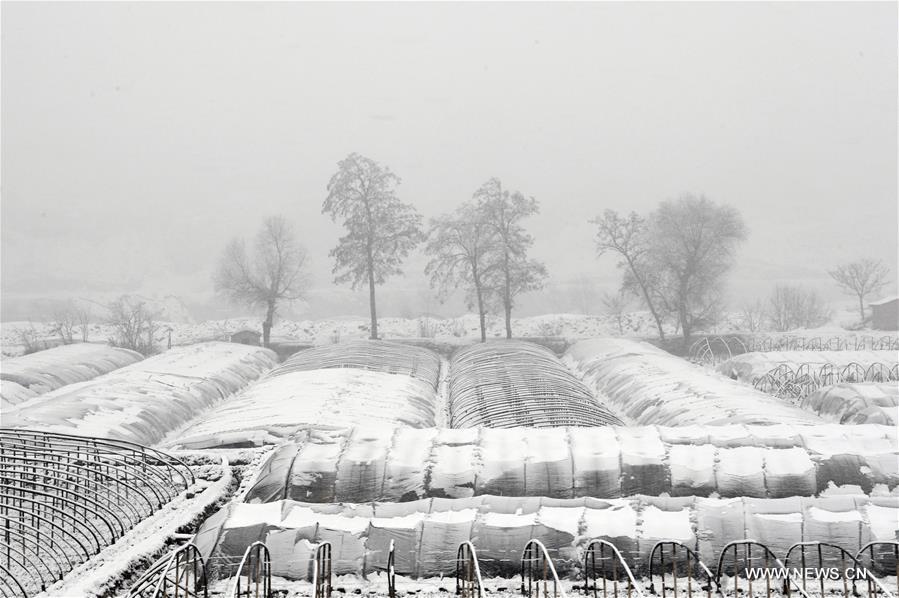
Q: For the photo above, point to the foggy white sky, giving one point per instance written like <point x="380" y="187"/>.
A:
<point x="138" y="138"/>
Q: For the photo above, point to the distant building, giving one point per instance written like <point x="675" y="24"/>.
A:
<point x="247" y="337"/>
<point x="885" y="314"/>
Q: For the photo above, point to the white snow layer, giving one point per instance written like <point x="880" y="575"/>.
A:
<point x="649" y="386"/>
<point x="283" y="405"/>
<point x="856" y="403"/>
<point x="374" y="463"/>
<point x="31" y="375"/>
<point x="144" y="401"/>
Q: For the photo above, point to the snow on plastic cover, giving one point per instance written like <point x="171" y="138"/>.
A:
<point x="856" y="403"/>
<point x="377" y="356"/>
<point x="426" y="533"/>
<point x="32" y="375"/>
<point x="504" y="384"/>
<point x="649" y="386"/>
<point x="750" y="366"/>
<point x="144" y="401"/>
<point x="399" y="464"/>
<point x="280" y="406"/>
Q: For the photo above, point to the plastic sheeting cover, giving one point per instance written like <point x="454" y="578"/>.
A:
<point x="856" y="403"/>
<point x="144" y="401"/>
<point x="37" y="373"/>
<point x="377" y="356"/>
<point x="398" y="464"/>
<point x="280" y="406"/>
<point x="649" y="386"/>
<point x="503" y="384"/>
<point x="427" y="533"/>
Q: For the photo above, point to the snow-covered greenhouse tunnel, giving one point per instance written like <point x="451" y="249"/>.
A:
<point x="368" y="444"/>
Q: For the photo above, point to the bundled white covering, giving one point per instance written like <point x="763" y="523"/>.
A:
<point x="856" y="403"/>
<point x="426" y="533"/>
<point x="144" y="401"/>
<point x="31" y="375"/>
<point x="649" y="386"/>
<point x="282" y="405"/>
<point x="748" y="367"/>
<point x="400" y="464"/>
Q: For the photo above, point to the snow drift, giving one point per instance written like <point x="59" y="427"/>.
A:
<point x="399" y="464"/>
<point x="859" y="403"/>
<point x="282" y="405"/>
<point x="505" y="384"/>
<point x="32" y="375"/>
<point x="427" y="532"/>
<point x="649" y="386"/>
<point x="144" y="401"/>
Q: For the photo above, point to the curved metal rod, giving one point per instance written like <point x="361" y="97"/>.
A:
<point x="161" y="456"/>
<point x="820" y="546"/>
<point x="467" y="565"/>
<point x="49" y="551"/>
<point x="9" y="576"/>
<point x="527" y="559"/>
<point x="77" y="504"/>
<point x="870" y="548"/>
<point x="180" y="571"/>
<point x="590" y="567"/>
<point x="82" y="523"/>
<point x="691" y="556"/>
<point x="42" y="584"/>
<point x="36" y="538"/>
<point x="255" y="555"/>
<point x="321" y="572"/>
<point x="391" y="570"/>
<point x="52" y="524"/>
<point x="128" y="459"/>
<point x="124" y="501"/>
<point x="768" y="555"/>
<point x="134" y="469"/>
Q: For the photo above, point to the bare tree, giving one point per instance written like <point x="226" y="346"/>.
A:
<point x="63" y="323"/>
<point x="134" y="325"/>
<point x="514" y="272"/>
<point x="793" y="306"/>
<point x="381" y="230"/>
<point x="693" y="246"/>
<point x="628" y="237"/>
<point x="272" y="274"/>
<point x="615" y="305"/>
<point x="83" y="315"/>
<point x="752" y="316"/>
<point x="861" y="278"/>
<point x="461" y="245"/>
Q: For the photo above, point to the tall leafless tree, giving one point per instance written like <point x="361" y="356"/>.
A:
<point x="460" y="245"/>
<point x="693" y="244"/>
<point x="273" y="273"/>
<point x="381" y="230"/>
<point x="503" y="212"/>
<point x="794" y="306"/>
<point x="861" y="278"/>
<point x="628" y="237"/>
<point x="134" y="325"/>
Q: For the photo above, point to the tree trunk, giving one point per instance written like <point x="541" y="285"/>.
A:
<point x="646" y="298"/>
<point x="267" y="324"/>
<point x="507" y="298"/>
<point x="861" y="308"/>
<point x="481" y="319"/>
<point x="371" y="304"/>
<point x="508" y="307"/>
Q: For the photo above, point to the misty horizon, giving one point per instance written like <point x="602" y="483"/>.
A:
<point x="131" y="154"/>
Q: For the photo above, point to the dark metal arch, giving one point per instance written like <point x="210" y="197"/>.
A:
<point x="468" y="572"/>
<point x="592" y="574"/>
<point x="769" y="559"/>
<point x="256" y="567"/>
<point x="874" y="586"/>
<point x="321" y="581"/>
<point x="692" y="562"/>
<point x="537" y="567"/>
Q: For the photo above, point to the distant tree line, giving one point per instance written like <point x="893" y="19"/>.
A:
<point x="674" y="260"/>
